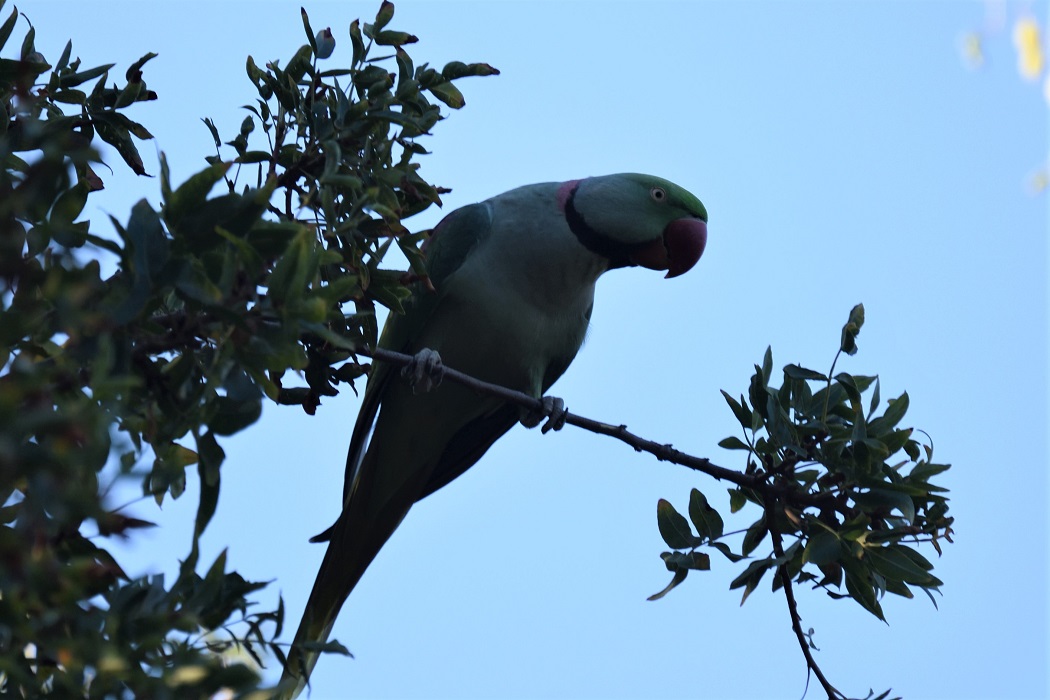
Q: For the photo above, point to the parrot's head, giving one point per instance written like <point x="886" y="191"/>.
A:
<point x="636" y="219"/>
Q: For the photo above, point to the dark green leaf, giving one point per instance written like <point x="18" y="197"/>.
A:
<point x="695" y="561"/>
<point x="331" y="337"/>
<point x="737" y="500"/>
<point x="449" y="94"/>
<point x="263" y="82"/>
<point x="796" y="372"/>
<point x="69" y="205"/>
<point x="458" y="69"/>
<point x="249" y="157"/>
<point x="211" y="125"/>
<point x="740" y="410"/>
<point x="295" y="268"/>
<point x="899" y="588"/>
<point x="122" y="122"/>
<point x="725" y="550"/>
<point x="922" y="472"/>
<point x="706" y="520"/>
<point x="193" y="283"/>
<point x="211" y="456"/>
<point x="392" y="38"/>
<point x="917" y="558"/>
<point x="893" y="563"/>
<point x="385" y="14"/>
<point x="150" y="246"/>
<point x="885" y="501"/>
<point x="234" y="415"/>
<point x="28" y="43"/>
<point x="674" y="528"/>
<point x="71" y="97"/>
<point x="823" y="548"/>
<point x="895" y="411"/>
<point x="851" y="330"/>
<point x="247" y="126"/>
<point x="209" y="498"/>
<point x="357" y="42"/>
<point x="120" y="139"/>
<point x="859" y="587"/>
<point x="895" y="440"/>
<point x="330" y="647"/>
<point x="751" y="577"/>
<point x="191" y="194"/>
<point x="754" y="536"/>
<point x="309" y="30"/>
<point x="7" y="27"/>
<point x="70" y="80"/>
<point x="63" y="59"/>
<point x="134" y="72"/>
<point x="876" y="396"/>
<point x="679" y="576"/>
<point x="846" y="381"/>
<point x="733" y="443"/>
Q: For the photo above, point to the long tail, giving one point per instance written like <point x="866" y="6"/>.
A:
<point x="383" y="486"/>
<point x="336" y="579"/>
<point x="344" y="564"/>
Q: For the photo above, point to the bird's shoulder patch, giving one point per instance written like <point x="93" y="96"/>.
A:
<point x="453" y="238"/>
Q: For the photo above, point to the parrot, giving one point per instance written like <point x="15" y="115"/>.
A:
<point x="511" y="290"/>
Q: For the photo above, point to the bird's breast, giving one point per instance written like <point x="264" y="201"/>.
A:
<point x="502" y="331"/>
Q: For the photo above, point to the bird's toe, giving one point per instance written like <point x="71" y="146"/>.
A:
<point x="552" y="409"/>
<point x="425" y="371"/>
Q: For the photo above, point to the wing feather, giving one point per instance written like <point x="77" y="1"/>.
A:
<point x="450" y="243"/>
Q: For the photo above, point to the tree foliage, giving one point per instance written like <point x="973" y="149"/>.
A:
<point x="137" y="354"/>
<point x="134" y="355"/>
<point x="844" y="493"/>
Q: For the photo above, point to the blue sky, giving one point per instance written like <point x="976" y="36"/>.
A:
<point x="845" y="154"/>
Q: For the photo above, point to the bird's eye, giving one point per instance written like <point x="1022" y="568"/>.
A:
<point x="658" y="194"/>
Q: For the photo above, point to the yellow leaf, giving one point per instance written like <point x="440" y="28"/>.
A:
<point x="1030" y="57"/>
<point x="187" y="675"/>
<point x="183" y="456"/>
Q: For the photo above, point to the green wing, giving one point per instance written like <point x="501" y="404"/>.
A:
<point x="470" y="443"/>
<point x="448" y="246"/>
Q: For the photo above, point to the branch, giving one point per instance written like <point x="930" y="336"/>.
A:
<point x="664" y="453"/>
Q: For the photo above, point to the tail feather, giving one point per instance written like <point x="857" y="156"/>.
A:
<point x="327" y="597"/>
<point x="344" y="564"/>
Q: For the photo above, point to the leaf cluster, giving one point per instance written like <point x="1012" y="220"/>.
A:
<point x="132" y="355"/>
<point x="844" y="490"/>
<point x="338" y="167"/>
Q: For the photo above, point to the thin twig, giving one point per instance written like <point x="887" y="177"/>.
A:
<point x="789" y="594"/>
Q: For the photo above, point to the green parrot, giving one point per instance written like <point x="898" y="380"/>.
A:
<point x="513" y="287"/>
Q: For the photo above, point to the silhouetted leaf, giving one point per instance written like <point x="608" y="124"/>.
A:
<point x="678" y="577"/>
<point x="754" y="536"/>
<point x="674" y="528"/>
<point x="706" y="519"/>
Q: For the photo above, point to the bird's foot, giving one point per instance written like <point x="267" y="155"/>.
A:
<point x="553" y="410"/>
<point x="425" y="371"/>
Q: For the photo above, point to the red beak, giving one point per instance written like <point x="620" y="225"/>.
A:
<point x="677" y="250"/>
